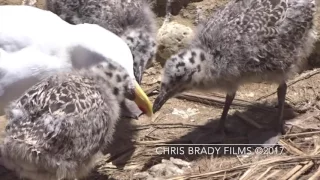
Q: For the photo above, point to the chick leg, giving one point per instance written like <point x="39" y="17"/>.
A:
<point x="227" y="104"/>
<point x="281" y="92"/>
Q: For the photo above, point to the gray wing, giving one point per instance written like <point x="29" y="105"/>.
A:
<point x="60" y="117"/>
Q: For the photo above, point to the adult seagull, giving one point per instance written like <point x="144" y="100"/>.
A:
<point x="31" y="32"/>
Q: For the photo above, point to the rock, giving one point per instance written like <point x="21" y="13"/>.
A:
<point x="167" y="168"/>
<point x="171" y="38"/>
<point x="10" y="2"/>
<point x="37" y="3"/>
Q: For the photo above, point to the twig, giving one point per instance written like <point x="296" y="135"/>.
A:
<point x="301" y="134"/>
<point x="316" y="175"/>
<point x="217" y="100"/>
<point x="289" y="130"/>
<point x="213" y="99"/>
<point x="274" y="173"/>
<point x="293" y="150"/>
<point x="169" y="125"/>
<point x="247" y="174"/>
<point x="248" y="120"/>
<point x="151" y="137"/>
<point x="156" y="116"/>
<point x="148" y="133"/>
<point x="299" y="169"/>
<point x="292" y="172"/>
<point x="304" y="76"/>
<point x="265" y="173"/>
<point x="263" y="162"/>
<point x="302" y="170"/>
<point x="239" y="160"/>
<point x="150" y="142"/>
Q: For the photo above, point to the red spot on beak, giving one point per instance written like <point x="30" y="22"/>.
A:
<point x="142" y="109"/>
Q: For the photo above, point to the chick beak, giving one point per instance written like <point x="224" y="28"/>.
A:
<point x="142" y="100"/>
<point x="159" y="101"/>
<point x="138" y="75"/>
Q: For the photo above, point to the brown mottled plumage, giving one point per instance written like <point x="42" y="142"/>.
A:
<point x="57" y="128"/>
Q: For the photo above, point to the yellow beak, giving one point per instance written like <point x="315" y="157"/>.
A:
<point x="142" y="100"/>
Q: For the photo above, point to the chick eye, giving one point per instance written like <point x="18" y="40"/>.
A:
<point x="178" y="78"/>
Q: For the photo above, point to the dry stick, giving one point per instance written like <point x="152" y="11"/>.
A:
<point x="167" y="125"/>
<point x="298" y="169"/>
<point x="151" y="137"/>
<point x="239" y="160"/>
<point x="248" y="173"/>
<point x="316" y="175"/>
<point x="155" y="117"/>
<point x="170" y="124"/>
<point x="211" y="100"/>
<point x="301" y="134"/>
<point x="302" y="170"/>
<point x="164" y="127"/>
<point x="150" y="142"/>
<point x="293" y="150"/>
<point x="300" y="78"/>
<point x="153" y="128"/>
<point x="292" y="172"/>
<point x="263" y="162"/>
<point x="274" y="173"/>
<point x="245" y="174"/>
<point x="265" y="173"/>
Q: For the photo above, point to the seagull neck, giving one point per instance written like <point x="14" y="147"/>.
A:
<point x="104" y="42"/>
<point x="205" y="77"/>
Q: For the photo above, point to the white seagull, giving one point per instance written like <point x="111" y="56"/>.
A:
<point x="35" y="43"/>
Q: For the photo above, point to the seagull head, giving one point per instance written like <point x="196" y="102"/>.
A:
<point x="115" y="72"/>
<point x="143" y="47"/>
<point x="183" y="71"/>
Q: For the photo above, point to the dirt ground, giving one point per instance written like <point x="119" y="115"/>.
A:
<point x="182" y="121"/>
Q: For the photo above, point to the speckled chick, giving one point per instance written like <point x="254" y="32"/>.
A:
<point x="245" y="41"/>
<point x="132" y="20"/>
<point x="57" y="128"/>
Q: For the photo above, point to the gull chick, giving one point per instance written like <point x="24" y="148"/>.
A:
<point x="132" y="20"/>
<point x="57" y="128"/>
<point x="245" y="41"/>
<point x="35" y="43"/>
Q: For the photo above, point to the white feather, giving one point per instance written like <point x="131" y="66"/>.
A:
<point x="37" y="42"/>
